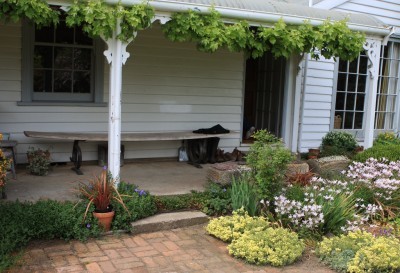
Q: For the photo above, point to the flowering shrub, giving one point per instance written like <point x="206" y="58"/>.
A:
<point x="360" y="252"/>
<point x="275" y="246"/>
<point x="381" y="177"/>
<point x="228" y="228"/>
<point x="387" y="138"/>
<point x="388" y="151"/>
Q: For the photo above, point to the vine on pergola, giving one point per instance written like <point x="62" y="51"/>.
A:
<point x="208" y="31"/>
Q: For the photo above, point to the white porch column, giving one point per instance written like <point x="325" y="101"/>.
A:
<point x="116" y="56"/>
<point x="373" y="50"/>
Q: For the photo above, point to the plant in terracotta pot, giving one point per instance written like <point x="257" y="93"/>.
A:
<point x="100" y="191"/>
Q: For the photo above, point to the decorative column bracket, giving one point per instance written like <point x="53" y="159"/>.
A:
<point x="373" y="49"/>
<point x="111" y="47"/>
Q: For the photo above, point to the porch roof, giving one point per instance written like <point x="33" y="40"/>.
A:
<point x="264" y="12"/>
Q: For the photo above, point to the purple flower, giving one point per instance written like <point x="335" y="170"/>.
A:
<point x="88" y="226"/>
<point x="105" y="168"/>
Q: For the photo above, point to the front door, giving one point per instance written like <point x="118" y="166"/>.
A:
<point x="263" y="99"/>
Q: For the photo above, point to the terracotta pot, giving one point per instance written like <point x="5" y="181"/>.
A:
<point x="312" y="157"/>
<point x="105" y="219"/>
<point x="313" y="153"/>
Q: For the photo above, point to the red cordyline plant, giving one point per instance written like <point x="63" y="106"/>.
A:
<point x="100" y="191"/>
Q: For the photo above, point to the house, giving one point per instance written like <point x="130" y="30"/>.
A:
<point x="170" y="86"/>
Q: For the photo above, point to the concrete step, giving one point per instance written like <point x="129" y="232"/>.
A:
<point x="164" y="221"/>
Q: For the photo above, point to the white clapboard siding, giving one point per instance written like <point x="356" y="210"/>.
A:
<point x="166" y="87"/>
<point x="317" y="103"/>
<point x="385" y="10"/>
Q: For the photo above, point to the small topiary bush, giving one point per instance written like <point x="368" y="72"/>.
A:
<point x="379" y="151"/>
<point x="360" y="252"/>
<point x="228" y="228"/>
<point x="338" y="143"/>
<point x="274" y="246"/>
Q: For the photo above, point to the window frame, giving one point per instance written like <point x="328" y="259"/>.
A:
<point x="358" y="132"/>
<point x="395" y="112"/>
<point x="27" y="94"/>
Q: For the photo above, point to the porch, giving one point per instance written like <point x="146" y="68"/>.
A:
<point x="156" y="176"/>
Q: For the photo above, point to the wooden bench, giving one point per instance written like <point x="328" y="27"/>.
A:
<point x="197" y="143"/>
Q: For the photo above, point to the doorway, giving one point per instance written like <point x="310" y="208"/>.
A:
<point x="263" y="98"/>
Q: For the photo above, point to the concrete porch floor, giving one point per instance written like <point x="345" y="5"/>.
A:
<point x="157" y="177"/>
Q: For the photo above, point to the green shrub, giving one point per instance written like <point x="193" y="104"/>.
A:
<point x="228" y="228"/>
<point x="383" y="255"/>
<point x="387" y="138"/>
<point x="275" y="246"/>
<point x="338" y="143"/>
<point x="244" y="195"/>
<point x="337" y="252"/>
<point x="268" y="163"/>
<point x="379" y="151"/>
<point x="217" y="199"/>
<point x="48" y="219"/>
<point x="359" y="252"/>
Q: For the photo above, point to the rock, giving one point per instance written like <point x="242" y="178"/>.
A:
<point x="295" y="168"/>
<point x="222" y="173"/>
<point x="329" y="163"/>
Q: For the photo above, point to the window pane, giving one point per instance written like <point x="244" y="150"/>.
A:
<point x="64" y="34"/>
<point x="390" y="102"/>
<point x="43" y="57"/>
<point x="358" y="120"/>
<point x="360" y="102"/>
<point x="362" y="80"/>
<point x="350" y="101"/>
<point x="341" y="85"/>
<point x="62" y="81"/>
<point x="42" y="80"/>
<point x="353" y="65"/>
<point x="63" y="57"/>
<point x="81" y="82"/>
<point x="82" y="59"/>
<point x="342" y="66"/>
<point x="363" y="65"/>
<point x="348" y="120"/>
<point x="340" y="97"/>
<point x="45" y="35"/>
<point x="351" y="85"/>
<point x="82" y="38"/>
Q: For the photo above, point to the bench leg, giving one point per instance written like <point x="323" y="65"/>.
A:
<point x="76" y="157"/>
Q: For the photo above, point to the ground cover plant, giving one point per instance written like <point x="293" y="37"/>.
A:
<point x="255" y="240"/>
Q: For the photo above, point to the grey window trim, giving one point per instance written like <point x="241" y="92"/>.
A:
<point x="27" y="96"/>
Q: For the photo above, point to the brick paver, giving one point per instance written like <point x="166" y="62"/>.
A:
<point x="174" y="251"/>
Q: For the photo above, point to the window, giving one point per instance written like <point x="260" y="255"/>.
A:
<point x="350" y="94"/>
<point x="388" y="86"/>
<point x="61" y="64"/>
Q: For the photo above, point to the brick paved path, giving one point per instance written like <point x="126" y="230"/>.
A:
<point x="179" y="250"/>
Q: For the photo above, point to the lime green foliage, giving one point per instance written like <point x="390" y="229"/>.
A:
<point x="100" y="19"/>
<point x="387" y="138"/>
<point x="338" y="143"/>
<point x="383" y="255"/>
<point x="360" y="252"/>
<point x="379" y="151"/>
<point x="244" y="195"/>
<point x="37" y="11"/>
<point x="275" y="246"/>
<point x="228" y="228"/>
<point x="268" y="162"/>
<point x="333" y="39"/>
